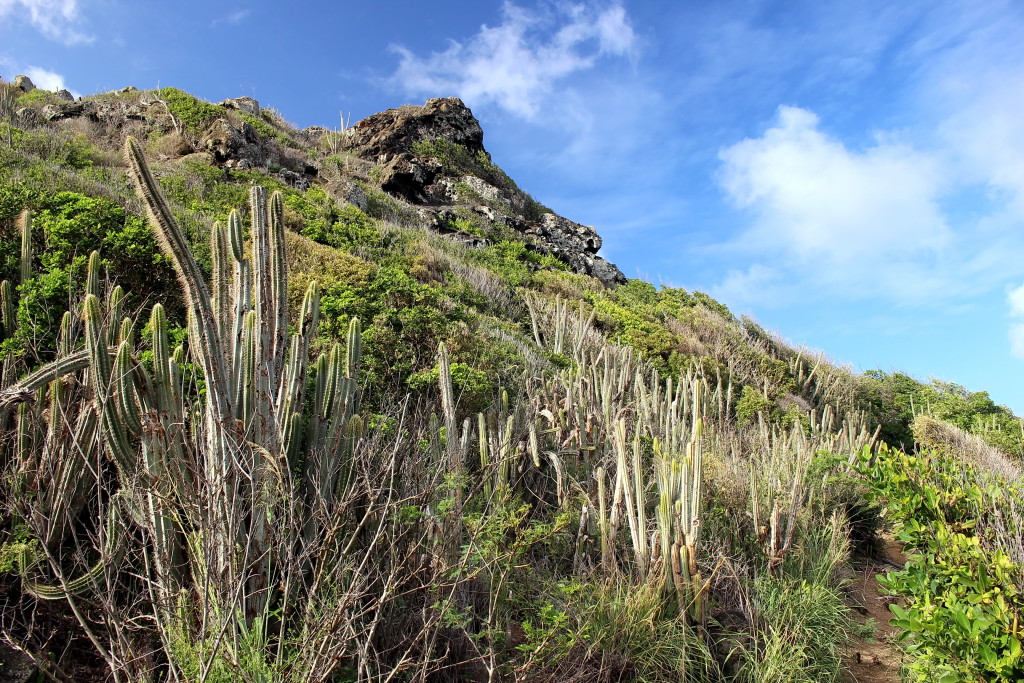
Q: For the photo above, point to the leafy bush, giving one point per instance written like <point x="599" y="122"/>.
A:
<point x="194" y="114"/>
<point x="473" y="388"/>
<point x="67" y="227"/>
<point x="963" y="597"/>
<point x="896" y="397"/>
<point x="262" y="128"/>
<point x="38" y="98"/>
<point x="751" y="404"/>
<point x="206" y="190"/>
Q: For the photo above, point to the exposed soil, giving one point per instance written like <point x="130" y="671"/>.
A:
<point x="875" y="659"/>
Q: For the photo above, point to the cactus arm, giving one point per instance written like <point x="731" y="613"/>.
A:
<point x="25" y="228"/>
<point x="264" y="430"/>
<point x="101" y="376"/>
<point x="294" y="381"/>
<point x="23" y="390"/>
<point x="197" y="296"/>
<point x="113" y="554"/>
<point x="92" y="275"/>
<point x="243" y="306"/>
<point x="247" y="379"/>
<point x="221" y="297"/>
<point x="344" y="399"/>
<point x="125" y="393"/>
<point x="278" y="278"/>
<point x="8" y="309"/>
<point x="115" y="315"/>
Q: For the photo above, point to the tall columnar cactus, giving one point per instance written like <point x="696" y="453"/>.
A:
<point x="8" y="296"/>
<point x="25" y="230"/>
<point x="198" y="472"/>
<point x="678" y="514"/>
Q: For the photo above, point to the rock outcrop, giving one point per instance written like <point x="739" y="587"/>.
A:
<point x="244" y="104"/>
<point x="388" y="139"/>
<point x="24" y="83"/>
<point x="394" y="131"/>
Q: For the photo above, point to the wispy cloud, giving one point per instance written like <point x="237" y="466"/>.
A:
<point x="842" y="217"/>
<point x="519" y="63"/>
<point x="927" y="211"/>
<point x="823" y="202"/>
<point x="1015" y="300"/>
<point x="58" y="20"/>
<point x="236" y="17"/>
<point x="46" y="79"/>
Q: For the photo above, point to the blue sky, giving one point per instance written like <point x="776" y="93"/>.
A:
<point x="849" y="174"/>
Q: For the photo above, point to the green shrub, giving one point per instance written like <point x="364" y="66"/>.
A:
<point x="896" y="397"/>
<point x="964" y="599"/>
<point x="753" y="403"/>
<point x="205" y="190"/>
<point x="67" y="227"/>
<point x="473" y="388"/>
<point x="195" y="114"/>
<point x="262" y="128"/>
<point x="38" y="99"/>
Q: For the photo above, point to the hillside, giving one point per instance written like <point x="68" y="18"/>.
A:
<point x="339" y="405"/>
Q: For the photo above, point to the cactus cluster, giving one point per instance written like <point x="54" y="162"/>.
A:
<point x="189" y="466"/>
<point x="641" y="437"/>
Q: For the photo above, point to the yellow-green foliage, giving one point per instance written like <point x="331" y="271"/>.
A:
<point x="310" y="262"/>
<point x="195" y="114"/>
<point x="201" y="188"/>
<point x="963" y="590"/>
<point x="37" y="98"/>
<point x="897" y="397"/>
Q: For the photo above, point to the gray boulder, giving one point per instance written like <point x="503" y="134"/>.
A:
<point x="245" y="104"/>
<point x="24" y="82"/>
<point x="67" y="110"/>
<point x="232" y="146"/>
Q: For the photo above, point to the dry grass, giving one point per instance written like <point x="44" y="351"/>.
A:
<point x="952" y="440"/>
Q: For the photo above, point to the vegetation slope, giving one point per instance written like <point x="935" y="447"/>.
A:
<point x="317" y="431"/>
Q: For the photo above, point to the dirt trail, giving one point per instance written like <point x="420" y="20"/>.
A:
<point x="876" y="659"/>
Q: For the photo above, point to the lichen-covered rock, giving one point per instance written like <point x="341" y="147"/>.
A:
<point x="297" y="180"/>
<point x="24" y="83"/>
<point x="27" y="115"/>
<point x="393" y="132"/>
<point x="233" y="147"/>
<point x="68" y="110"/>
<point x="575" y="244"/>
<point x="245" y="104"/>
<point x="408" y="177"/>
<point x="355" y="196"/>
<point x="65" y="95"/>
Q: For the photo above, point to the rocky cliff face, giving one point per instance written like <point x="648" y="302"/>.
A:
<point x="433" y="157"/>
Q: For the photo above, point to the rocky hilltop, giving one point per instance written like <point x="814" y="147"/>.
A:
<point x="431" y="157"/>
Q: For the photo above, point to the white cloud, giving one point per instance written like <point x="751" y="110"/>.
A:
<point x="234" y="18"/>
<point x="1015" y="300"/>
<point x="823" y="203"/>
<point x="518" y="63"/>
<point x="42" y="78"/>
<point x="56" y="19"/>
<point x="854" y="223"/>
